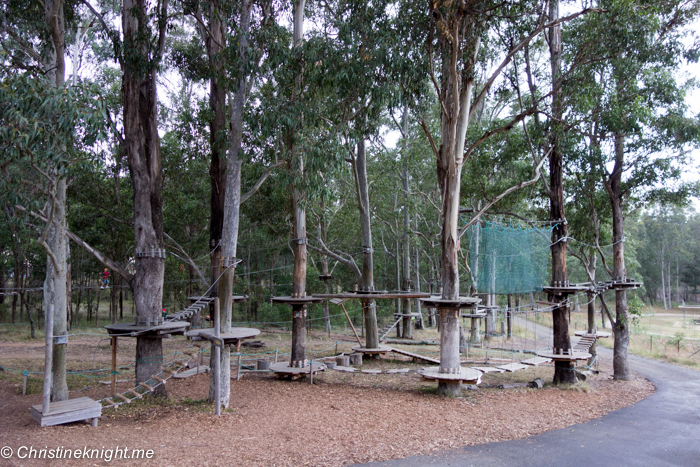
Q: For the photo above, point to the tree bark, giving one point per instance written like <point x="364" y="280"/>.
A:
<point x="406" y="260"/>
<point x="298" y="357"/>
<point x="621" y="326"/>
<point x="369" y="309"/>
<point x="142" y="142"/>
<point x="563" y="371"/>
<point x="231" y="218"/>
<point x="214" y="41"/>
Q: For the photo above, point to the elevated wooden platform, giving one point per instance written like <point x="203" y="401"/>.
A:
<point x="234" y="336"/>
<point x="164" y="330"/>
<point x="535" y="361"/>
<point x="488" y="369"/>
<point x="72" y="410"/>
<point x="572" y="357"/>
<point x="568" y="289"/>
<point x="513" y="367"/>
<point x="597" y="334"/>
<point x="415" y="356"/>
<point x="308" y="300"/>
<point x="372" y="295"/>
<point x="437" y="301"/>
<point x="191" y="372"/>
<point x="381" y="350"/>
<point x="466" y="375"/>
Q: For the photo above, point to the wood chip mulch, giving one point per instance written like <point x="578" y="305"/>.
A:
<point x="281" y="423"/>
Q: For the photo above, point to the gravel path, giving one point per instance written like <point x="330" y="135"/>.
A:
<point x="661" y="430"/>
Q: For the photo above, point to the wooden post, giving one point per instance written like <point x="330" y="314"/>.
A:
<point x="114" y="366"/>
<point x="217" y="358"/>
<point x="48" y="360"/>
<point x="311" y="372"/>
<point x="24" y="382"/>
<point x="354" y="331"/>
<point x="238" y="373"/>
<point x="276" y="355"/>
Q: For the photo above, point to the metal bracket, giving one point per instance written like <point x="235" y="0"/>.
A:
<point x="301" y="241"/>
<point x="151" y="253"/>
<point x="367" y="250"/>
<point x="58" y="340"/>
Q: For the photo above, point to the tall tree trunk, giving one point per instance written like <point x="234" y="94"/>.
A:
<point x="563" y="371"/>
<point x="215" y="41"/>
<point x="325" y="277"/>
<point x="406" y="261"/>
<point x="663" y="280"/>
<point x="455" y="94"/>
<point x="416" y="283"/>
<point x="55" y="243"/>
<point x="369" y="309"/>
<point x="621" y="326"/>
<point x="231" y="220"/>
<point x="142" y="144"/>
<point x="298" y="353"/>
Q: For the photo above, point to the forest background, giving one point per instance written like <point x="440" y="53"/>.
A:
<point x="360" y="80"/>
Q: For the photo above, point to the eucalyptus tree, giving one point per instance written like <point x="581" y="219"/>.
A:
<point x="639" y="130"/>
<point x="41" y="122"/>
<point x="449" y="37"/>
<point x="359" y="37"/>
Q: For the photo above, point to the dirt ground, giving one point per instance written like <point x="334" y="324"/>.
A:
<point x="341" y="419"/>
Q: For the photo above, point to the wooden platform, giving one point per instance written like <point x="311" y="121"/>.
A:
<point x="488" y="369"/>
<point x="416" y="356"/>
<point x="568" y="289"/>
<point x="511" y="367"/>
<point x="372" y="295"/>
<point x="534" y="361"/>
<point x="598" y="334"/>
<point x="72" y="410"/>
<point x="232" y="337"/>
<point x="381" y="350"/>
<point x="191" y="372"/>
<point x="308" y="300"/>
<point x="466" y="375"/>
<point x="565" y="358"/>
<point x="472" y="315"/>
<point x="436" y="301"/>
<point x="166" y="329"/>
<point x="282" y="369"/>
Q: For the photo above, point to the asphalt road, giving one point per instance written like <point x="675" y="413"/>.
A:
<point x="662" y="430"/>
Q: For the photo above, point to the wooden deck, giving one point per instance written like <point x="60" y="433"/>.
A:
<point x="72" y="410"/>
<point x="466" y="375"/>
<point x="382" y="349"/>
<point x="416" y="356"/>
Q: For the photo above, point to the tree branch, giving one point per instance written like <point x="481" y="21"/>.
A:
<point x="504" y="194"/>
<point x="260" y="181"/>
<point x="96" y="253"/>
<point x="187" y="258"/>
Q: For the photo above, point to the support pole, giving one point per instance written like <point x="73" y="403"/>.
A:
<point x="238" y="372"/>
<point x="354" y="331"/>
<point x="217" y="359"/>
<point x="114" y="366"/>
<point x="48" y="361"/>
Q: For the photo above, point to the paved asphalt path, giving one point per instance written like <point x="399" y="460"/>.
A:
<point x="662" y="430"/>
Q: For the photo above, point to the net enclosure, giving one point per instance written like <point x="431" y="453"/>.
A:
<point x="508" y="260"/>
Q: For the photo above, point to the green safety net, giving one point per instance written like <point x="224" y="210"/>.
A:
<point x="508" y="260"/>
